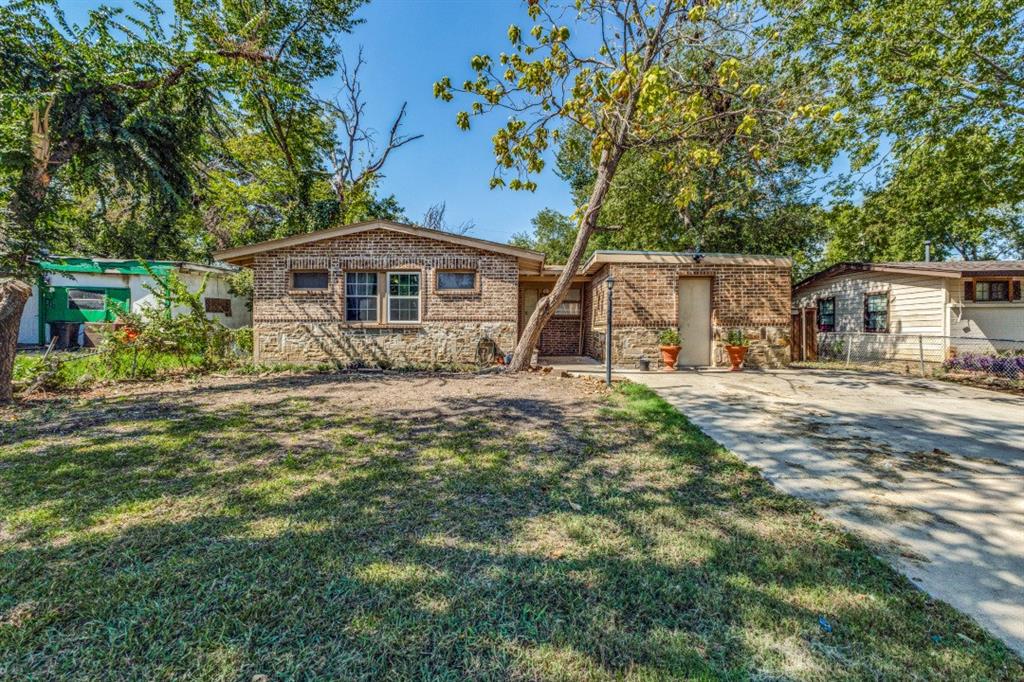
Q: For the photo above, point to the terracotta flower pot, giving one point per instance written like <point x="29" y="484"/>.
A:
<point x="669" y="355"/>
<point x="736" y="357"/>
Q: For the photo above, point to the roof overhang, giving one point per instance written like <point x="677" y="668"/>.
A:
<point x="840" y="269"/>
<point x="244" y="255"/>
<point x="601" y="258"/>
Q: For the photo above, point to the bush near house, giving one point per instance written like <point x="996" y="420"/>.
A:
<point x="145" y="345"/>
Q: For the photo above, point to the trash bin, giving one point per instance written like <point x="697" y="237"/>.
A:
<point x="73" y="329"/>
<point x="58" y="332"/>
<point x="66" y="334"/>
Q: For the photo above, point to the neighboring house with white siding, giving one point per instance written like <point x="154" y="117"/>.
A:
<point x="891" y="310"/>
<point x="88" y="292"/>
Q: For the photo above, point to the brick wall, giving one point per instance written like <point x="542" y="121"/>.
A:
<point x="560" y="336"/>
<point x="309" y="326"/>
<point x="751" y="297"/>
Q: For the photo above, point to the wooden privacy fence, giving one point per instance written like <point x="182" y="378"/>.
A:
<point x="804" y="344"/>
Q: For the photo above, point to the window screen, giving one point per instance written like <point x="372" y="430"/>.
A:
<point x="403" y="297"/>
<point x="309" y="280"/>
<point x="361" y="297"/>
<point x="456" y="281"/>
<point x="82" y="299"/>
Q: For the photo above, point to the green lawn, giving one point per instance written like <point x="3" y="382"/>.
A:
<point x="431" y="528"/>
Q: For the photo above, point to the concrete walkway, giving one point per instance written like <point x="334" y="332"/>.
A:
<point x="930" y="473"/>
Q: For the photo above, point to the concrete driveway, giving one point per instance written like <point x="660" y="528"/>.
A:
<point x="930" y="473"/>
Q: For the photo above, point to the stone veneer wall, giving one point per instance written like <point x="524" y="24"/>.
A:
<point x="308" y="327"/>
<point x="751" y="297"/>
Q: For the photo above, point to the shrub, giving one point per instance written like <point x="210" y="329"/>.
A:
<point x="189" y="336"/>
<point x="736" y="337"/>
<point x="669" y="337"/>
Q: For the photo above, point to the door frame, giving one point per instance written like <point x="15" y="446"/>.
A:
<point x="711" y="314"/>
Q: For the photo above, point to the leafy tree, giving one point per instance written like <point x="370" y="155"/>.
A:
<point x="965" y="195"/>
<point x="658" y="79"/>
<point x="929" y="99"/>
<point x="773" y="213"/>
<point x="123" y="103"/>
<point x="553" y="235"/>
<point x="910" y="68"/>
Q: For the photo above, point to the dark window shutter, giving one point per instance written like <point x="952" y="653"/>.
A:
<point x="968" y="290"/>
<point x="1015" y="290"/>
<point x="867" y="318"/>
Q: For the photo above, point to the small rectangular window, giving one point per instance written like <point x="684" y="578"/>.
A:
<point x="826" y="314"/>
<point x="218" y="305"/>
<point x="570" y="306"/>
<point x="83" y="299"/>
<point x="309" y="279"/>
<point x="992" y="291"/>
<point x="403" y="297"/>
<point x="876" y="312"/>
<point x="456" y="281"/>
<point x="360" y="296"/>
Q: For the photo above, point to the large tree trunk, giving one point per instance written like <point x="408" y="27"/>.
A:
<point x="13" y="295"/>
<point x="606" y="168"/>
<point x="547" y="306"/>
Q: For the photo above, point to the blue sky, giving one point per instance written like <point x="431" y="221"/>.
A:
<point x="410" y="44"/>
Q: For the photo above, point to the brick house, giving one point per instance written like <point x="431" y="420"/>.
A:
<point x="386" y="293"/>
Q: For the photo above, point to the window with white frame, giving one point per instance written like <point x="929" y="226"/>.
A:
<point x="403" y="301"/>
<point x="361" y="297"/>
<point x="876" y="313"/>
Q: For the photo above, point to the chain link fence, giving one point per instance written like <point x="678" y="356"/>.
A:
<point x="977" y="360"/>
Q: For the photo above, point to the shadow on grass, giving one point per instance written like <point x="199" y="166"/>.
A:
<point x="497" y="536"/>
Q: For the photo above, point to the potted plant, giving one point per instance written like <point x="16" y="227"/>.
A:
<point x="669" y="340"/>
<point x="736" y="345"/>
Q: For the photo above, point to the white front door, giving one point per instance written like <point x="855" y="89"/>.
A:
<point x="695" y="322"/>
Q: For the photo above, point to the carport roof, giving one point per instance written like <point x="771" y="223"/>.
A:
<point x="954" y="269"/>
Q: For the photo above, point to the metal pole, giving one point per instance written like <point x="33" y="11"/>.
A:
<point x="920" y="352"/>
<point x="608" y="335"/>
<point x="849" y="348"/>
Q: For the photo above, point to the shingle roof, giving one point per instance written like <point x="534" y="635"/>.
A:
<point x="961" y="266"/>
<point x="953" y="268"/>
